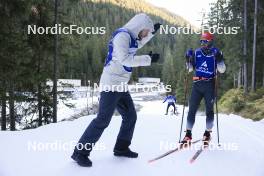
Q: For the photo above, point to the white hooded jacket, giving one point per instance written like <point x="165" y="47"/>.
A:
<point x="114" y="76"/>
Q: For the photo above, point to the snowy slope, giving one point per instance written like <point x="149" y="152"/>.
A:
<point x="152" y="130"/>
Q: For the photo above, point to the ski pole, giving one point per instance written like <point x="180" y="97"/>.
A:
<point x="185" y="97"/>
<point x="216" y="106"/>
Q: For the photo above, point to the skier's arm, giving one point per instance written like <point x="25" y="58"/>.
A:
<point x="145" y="40"/>
<point x="221" y="67"/>
<point x="189" y="55"/>
<point x="121" y="50"/>
<point x="165" y="100"/>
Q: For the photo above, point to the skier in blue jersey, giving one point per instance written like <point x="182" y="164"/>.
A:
<point x="171" y="100"/>
<point x="205" y="61"/>
<point x="120" y="60"/>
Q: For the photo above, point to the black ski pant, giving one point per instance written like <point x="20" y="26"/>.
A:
<point x="109" y="101"/>
<point x="202" y="89"/>
<point x="168" y="106"/>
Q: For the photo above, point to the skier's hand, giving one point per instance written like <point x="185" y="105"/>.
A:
<point x="154" y="57"/>
<point x="156" y="27"/>
<point x="189" y="55"/>
<point x="219" y="57"/>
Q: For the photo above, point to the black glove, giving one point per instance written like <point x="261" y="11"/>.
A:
<point x="154" y="57"/>
<point x="156" y="27"/>
<point x="189" y="55"/>
<point x="219" y="57"/>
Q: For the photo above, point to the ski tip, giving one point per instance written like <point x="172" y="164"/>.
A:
<point x="191" y="161"/>
<point x="150" y="161"/>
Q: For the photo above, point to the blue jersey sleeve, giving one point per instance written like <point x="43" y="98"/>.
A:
<point x="165" y="99"/>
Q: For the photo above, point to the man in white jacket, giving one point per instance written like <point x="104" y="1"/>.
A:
<point x="117" y="71"/>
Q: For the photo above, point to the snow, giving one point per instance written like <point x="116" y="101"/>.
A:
<point x="153" y="131"/>
<point x="80" y="105"/>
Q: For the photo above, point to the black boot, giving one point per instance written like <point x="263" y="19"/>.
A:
<point x="81" y="159"/>
<point x="187" y="138"/>
<point x="121" y="149"/>
<point x="206" y="137"/>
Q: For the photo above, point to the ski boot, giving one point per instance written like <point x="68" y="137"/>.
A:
<point x="81" y="159"/>
<point x="187" y="139"/>
<point x="206" y="138"/>
<point x="121" y="149"/>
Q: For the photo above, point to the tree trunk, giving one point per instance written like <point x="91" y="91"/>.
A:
<point x="253" y="82"/>
<point x="55" y="66"/>
<point x="45" y="115"/>
<point x="242" y="76"/>
<point x="263" y="76"/>
<point x="3" y="111"/>
<point x="39" y="93"/>
<point x="92" y="96"/>
<point x="39" y="105"/>
<point x="234" y="81"/>
<point x="245" y="49"/>
<point x="12" y="107"/>
<point x="239" y="76"/>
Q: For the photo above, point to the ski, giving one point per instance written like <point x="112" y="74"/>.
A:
<point x="182" y="146"/>
<point x="198" y="152"/>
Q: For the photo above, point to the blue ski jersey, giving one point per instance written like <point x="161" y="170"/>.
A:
<point x="205" y="65"/>
<point x="170" y="99"/>
<point x="133" y="46"/>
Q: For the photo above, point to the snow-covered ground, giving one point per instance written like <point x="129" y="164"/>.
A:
<point x="80" y="105"/>
<point x="241" y="153"/>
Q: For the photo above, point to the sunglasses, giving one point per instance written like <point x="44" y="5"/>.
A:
<point x="204" y="41"/>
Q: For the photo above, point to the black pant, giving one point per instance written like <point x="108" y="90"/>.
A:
<point x="168" y="106"/>
<point x="107" y="104"/>
<point x="201" y="89"/>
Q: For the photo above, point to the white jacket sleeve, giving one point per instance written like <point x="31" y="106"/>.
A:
<point x="189" y="67"/>
<point x="145" y="40"/>
<point x="122" y="55"/>
<point x="221" y="67"/>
